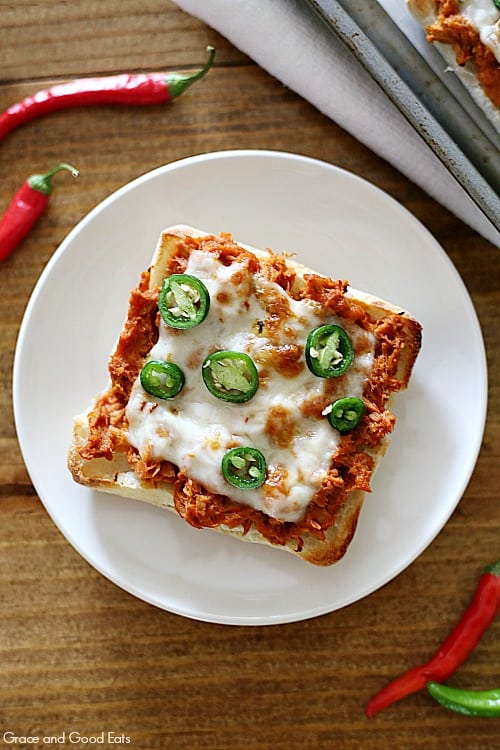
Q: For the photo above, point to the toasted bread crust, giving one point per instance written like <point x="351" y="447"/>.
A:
<point x="116" y="476"/>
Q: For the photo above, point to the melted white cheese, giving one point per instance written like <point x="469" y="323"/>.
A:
<point x="195" y="429"/>
<point x="484" y="16"/>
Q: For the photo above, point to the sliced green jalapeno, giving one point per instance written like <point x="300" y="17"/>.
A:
<point x="162" y="379"/>
<point x="345" y="414"/>
<point x="184" y="301"/>
<point x="230" y="376"/>
<point x="244" y="467"/>
<point x="329" y="351"/>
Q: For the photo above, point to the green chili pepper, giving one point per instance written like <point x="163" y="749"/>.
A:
<point x="184" y="301"/>
<point x="329" y="351"/>
<point x="230" y="376"/>
<point x="345" y="414"/>
<point x="468" y="702"/>
<point x="162" y="379"/>
<point x="244" y="467"/>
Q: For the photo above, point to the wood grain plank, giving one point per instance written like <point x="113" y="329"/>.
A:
<point x="77" y="653"/>
<point x="94" y="38"/>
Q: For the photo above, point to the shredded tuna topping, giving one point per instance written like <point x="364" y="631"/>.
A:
<point x="452" y="28"/>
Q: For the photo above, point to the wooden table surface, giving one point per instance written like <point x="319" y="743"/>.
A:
<point x="78" y="654"/>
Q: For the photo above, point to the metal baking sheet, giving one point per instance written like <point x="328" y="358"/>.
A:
<point x="411" y="28"/>
<point x="449" y="122"/>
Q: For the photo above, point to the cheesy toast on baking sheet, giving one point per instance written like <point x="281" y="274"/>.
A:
<point x="248" y="394"/>
<point x="467" y="35"/>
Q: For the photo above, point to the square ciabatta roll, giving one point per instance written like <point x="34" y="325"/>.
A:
<point x="248" y="394"/>
<point x="466" y="33"/>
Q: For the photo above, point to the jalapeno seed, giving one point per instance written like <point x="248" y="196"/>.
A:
<point x="345" y="414"/>
<point x="184" y="301"/>
<point x="244" y="467"/>
<point x="162" y="379"/>
<point x="230" y="376"/>
<point x="329" y="352"/>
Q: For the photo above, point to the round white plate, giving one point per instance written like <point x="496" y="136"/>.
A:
<point x="343" y="227"/>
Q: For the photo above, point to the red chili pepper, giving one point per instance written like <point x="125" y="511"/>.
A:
<point x="456" y="648"/>
<point x="141" y="89"/>
<point x="25" y="207"/>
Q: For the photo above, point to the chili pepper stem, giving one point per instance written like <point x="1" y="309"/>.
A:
<point x="494" y="568"/>
<point x="178" y="82"/>
<point x="43" y="182"/>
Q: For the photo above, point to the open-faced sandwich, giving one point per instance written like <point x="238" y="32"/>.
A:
<point x="248" y="394"/>
<point x="467" y="34"/>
